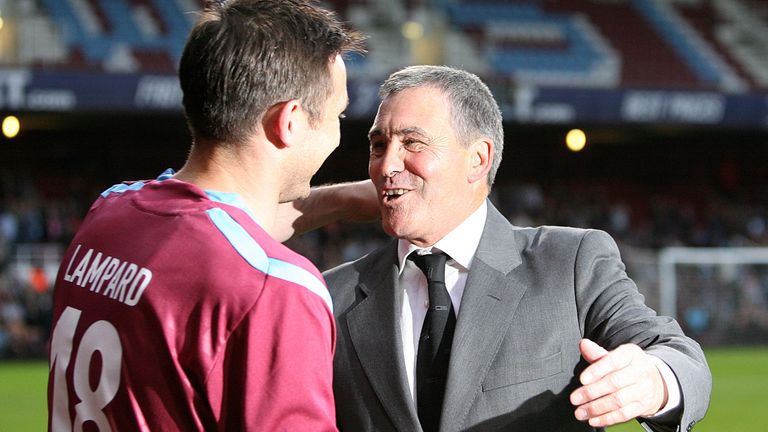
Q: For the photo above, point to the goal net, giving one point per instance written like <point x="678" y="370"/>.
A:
<point x="718" y="295"/>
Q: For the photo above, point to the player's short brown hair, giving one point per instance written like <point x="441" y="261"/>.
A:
<point x="244" y="56"/>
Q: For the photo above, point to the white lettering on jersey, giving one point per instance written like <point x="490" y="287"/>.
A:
<point x="125" y="280"/>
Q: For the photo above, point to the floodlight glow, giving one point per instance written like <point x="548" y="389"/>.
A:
<point x="413" y="30"/>
<point x="11" y="126"/>
<point x="576" y="140"/>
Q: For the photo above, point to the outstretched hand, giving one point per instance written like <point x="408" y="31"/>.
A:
<point x="618" y="385"/>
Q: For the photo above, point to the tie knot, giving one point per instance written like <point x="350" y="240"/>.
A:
<point x="432" y="265"/>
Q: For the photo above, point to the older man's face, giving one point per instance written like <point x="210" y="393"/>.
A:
<point x="419" y="167"/>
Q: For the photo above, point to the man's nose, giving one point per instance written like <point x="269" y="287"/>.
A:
<point x="392" y="162"/>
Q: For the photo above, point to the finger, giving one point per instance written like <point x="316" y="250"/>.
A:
<point x="591" y="351"/>
<point x="622" y="415"/>
<point x="613" y="361"/>
<point x="616" y="407"/>
<point x="607" y="385"/>
<point x="607" y="403"/>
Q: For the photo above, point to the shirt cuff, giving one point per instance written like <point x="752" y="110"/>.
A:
<point x="672" y="385"/>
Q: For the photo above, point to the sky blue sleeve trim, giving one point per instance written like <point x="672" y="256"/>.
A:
<point x="255" y="255"/>
<point x="230" y="198"/>
<point x="293" y="273"/>
<point x="239" y="238"/>
<point x="168" y="173"/>
<point x="122" y="187"/>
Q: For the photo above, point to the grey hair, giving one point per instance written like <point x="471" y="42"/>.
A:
<point x="474" y="111"/>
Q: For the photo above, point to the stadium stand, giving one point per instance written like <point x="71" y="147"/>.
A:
<point x="654" y="43"/>
<point x="114" y="36"/>
<point x="705" y="63"/>
<point x="738" y="35"/>
<point x="645" y="59"/>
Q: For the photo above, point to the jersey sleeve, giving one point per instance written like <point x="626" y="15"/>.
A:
<point x="276" y="373"/>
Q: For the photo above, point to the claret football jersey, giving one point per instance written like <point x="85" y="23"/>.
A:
<point x="174" y="310"/>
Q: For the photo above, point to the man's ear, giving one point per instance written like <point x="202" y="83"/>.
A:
<point x="283" y="122"/>
<point x="481" y="157"/>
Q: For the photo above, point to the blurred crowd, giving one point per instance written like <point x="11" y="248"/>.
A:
<point x="642" y="221"/>
<point x="32" y="214"/>
<point x="637" y="216"/>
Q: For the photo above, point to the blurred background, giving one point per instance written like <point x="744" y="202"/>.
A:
<point x="645" y="118"/>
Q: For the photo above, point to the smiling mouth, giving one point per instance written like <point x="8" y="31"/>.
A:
<point x="393" y="194"/>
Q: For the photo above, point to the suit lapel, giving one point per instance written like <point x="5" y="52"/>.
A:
<point x="491" y="296"/>
<point x="374" y="330"/>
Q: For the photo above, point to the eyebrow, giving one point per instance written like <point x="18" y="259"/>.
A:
<point x="411" y="130"/>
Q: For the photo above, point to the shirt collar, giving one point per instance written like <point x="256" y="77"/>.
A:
<point x="229" y="198"/>
<point x="460" y="244"/>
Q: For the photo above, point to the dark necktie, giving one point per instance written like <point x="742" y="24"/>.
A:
<point x="434" y="343"/>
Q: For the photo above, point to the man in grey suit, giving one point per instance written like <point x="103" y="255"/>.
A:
<point x="550" y="334"/>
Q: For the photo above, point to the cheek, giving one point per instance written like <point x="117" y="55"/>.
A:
<point x="335" y="128"/>
<point x="331" y="132"/>
<point x="424" y="168"/>
<point x="330" y="140"/>
<point x="373" y="169"/>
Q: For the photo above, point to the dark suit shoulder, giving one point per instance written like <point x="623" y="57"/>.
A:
<point x="350" y="271"/>
<point x="367" y="270"/>
<point x="553" y="233"/>
<point x="549" y="233"/>
<point x="557" y="239"/>
<point x="342" y="271"/>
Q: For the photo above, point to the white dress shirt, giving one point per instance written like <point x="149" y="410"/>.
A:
<point x="461" y="245"/>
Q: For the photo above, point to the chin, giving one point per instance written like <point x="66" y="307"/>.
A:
<point x="395" y="228"/>
<point x="388" y="229"/>
<point x="294" y="194"/>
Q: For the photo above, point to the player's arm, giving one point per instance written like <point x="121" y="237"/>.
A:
<point x="353" y="201"/>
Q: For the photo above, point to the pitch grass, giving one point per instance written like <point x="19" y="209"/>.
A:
<point x="23" y="387"/>
<point x="739" y="396"/>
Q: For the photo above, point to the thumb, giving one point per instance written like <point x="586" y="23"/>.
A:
<point x="591" y="351"/>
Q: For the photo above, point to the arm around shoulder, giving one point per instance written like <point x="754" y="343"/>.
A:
<point x="352" y="201"/>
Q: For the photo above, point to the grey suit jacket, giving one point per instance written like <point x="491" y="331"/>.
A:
<point x="531" y="295"/>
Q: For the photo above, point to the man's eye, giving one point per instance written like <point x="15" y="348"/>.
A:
<point x="412" y="143"/>
<point x="377" y="147"/>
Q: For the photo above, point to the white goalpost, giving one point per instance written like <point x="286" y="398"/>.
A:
<point x="725" y="258"/>
<point x="720" y="294"/>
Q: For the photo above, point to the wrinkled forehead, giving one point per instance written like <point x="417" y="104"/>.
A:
<point x="418" y="110"/>
<point x="375" y="132"/>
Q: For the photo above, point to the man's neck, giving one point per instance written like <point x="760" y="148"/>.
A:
<point x="457" y="217"/>
<point x="221" y="170"/>
<point x="460" y="243"/>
